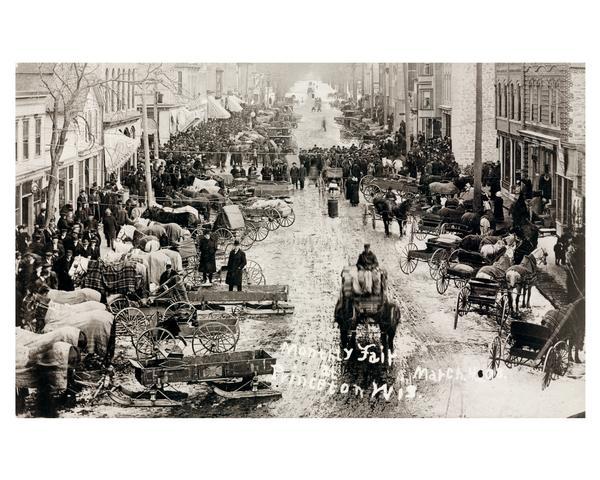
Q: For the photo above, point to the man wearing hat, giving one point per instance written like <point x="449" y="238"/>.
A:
<point x="168" y="277"/>
<point x="368" y="276"/>
<point x="61" y="268"/>
<point x="294" y="175"/>
<point x="94" y="249"/>
<point x="94" y="201"/>
<point x="48" y="276"/>
<point x="207" y="265"/>
<point x="235" y="267"/>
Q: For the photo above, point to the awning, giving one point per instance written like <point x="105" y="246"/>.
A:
<point x="541" y="138"/>
<point x="215" y="110"/>
<point x="119" y="149"/>
<point x="232" y="104"/>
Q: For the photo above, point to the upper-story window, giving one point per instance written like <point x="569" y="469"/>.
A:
<point x="512" y="101"/>
<point x="532" y="104"/>
<point x="426" y="100"/>
<point x="25" y="138"/>
<point x="498" y="100"/>
<point x="38" y="136"/>
<point x="518" y="102"/>
<point x="426" y="69"/>
<point x="16" y="141"/>
<point x="539" y="103"/>
<point x="179" y="82"/>
<point x="505" y="100"/>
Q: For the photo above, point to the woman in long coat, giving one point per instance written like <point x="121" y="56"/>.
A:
<point x="208" y="249"/>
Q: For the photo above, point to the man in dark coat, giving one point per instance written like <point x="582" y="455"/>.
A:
<point x="110" y="228"/>
<point x="235" y="267"/>
<point x="353" y="192"/>
<point x="301" y="175"/>
<point x="207" y="265"/>
<point x="61" y="268"/>
<point x="294" y="175"/>
<point x="498" y="208"/>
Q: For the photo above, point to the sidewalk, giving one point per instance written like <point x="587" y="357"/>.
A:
<point x="552" y="278"/>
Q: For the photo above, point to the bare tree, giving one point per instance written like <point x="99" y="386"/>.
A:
<point x="68" y="85"/>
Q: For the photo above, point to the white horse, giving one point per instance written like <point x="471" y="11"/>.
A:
<point x="520" y="278"/>
<point x="78" y="295"/>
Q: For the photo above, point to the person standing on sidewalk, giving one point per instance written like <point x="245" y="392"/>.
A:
<point x="207" y="265"/>
<point x="301" y="175"/>
<point x="235" y="267"/>
<point x="294" y="175"/>
<point x="110" y="228"/>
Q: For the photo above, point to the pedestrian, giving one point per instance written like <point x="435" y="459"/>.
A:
<point x="559" y="252"/>
<point x="519" y="211"/>
<point x="294" y="175"/>
<point x="61" y="268"/>
<point x="235" y="267"/>
<point x="498" y="208"/>
<point x="354" y="192"/>
<point x="207" y="264"/>
<point x="110" y="228"/>
<point x="301" y="175"/>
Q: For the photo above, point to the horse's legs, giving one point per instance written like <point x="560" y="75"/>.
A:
<point x="529" y="296"/>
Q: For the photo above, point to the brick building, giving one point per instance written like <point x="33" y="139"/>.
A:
<point x="540" y="121"/>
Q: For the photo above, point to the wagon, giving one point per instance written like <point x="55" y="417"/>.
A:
<point x="436" y="250"/>
<point x="232" y="375"/>
<point x="427" y="224"/>
<point x="460" y="267"/>
<point x="230" y="225"/>
<point x="371" y="186"/>
<point x="537" y="346"/>
<point x="487" y="297"/>
<point x="327" y="175"/>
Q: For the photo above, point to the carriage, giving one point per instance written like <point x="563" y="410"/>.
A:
<point x="460" y="267"/>
<point x="327" y="176"/>
<point x="437" y="249"/>
<point x="485" y="296"/>
<point x="373" y="313"/>
<point x="543" y="347"/>
<point x="371" y="186"/>
<point x="230" y="225"/>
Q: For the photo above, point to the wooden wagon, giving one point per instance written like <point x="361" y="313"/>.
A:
<point x="487" y="297"/>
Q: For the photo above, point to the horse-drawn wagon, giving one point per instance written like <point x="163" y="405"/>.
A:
<point x="437" y="249"/>
<point x="370" y="186"/>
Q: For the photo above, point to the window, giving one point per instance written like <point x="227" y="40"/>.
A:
<point x="113" y="92"/>
<point x="505" y="100"/>
<point x="426" y="69"/>
<point x="38" y="136"/>
<point x="539" y="103"/>
<point x="17" y="142"/>
<point x="518" y="102"/>
<point x="81" y="175"/>
<point x="18" y="205"/>
<point x="129" y="89"/>
<point x="499" y="100"/>
<point x="25" y="138"/>
<point x="426" y="100"/>
<point x="512" y="101"/>
<point x="532" y="98"/>
<point x="555" y="105"/>
<point x="179" y="82"/>
<point x="550" y="104"/>
<point x="119" y="98"/>
<point x="106" y="92"/>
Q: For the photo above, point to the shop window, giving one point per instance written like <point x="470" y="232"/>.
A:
<point x="25" y="138"/>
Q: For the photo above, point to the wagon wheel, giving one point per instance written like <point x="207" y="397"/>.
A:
<point x="184" y="311"/>
<point x="462" y="304"/>
<point x="364" y="182"/>
<point x="154" y="343"/>
<point x="248" y="237"/>
<point x="213" y="337"/>
<point x="501" y="311"/>
<point x="258" y="230"/>
<point x="562" y="358"/>
<point x="418" y="229"/>
<point x="550" y="367"/>
<point x="438" y="257"/>
<point x="222" y="236"/>
<point x="442" y="282"/>
<point x="288" y="220"/>
<point x="118" y="304"/>
<point x="130" y="321"/>
<point x="508" y="357"/>
<point x="272" y="219"/>
<point x="408" y="262"/>
<point x="253" y="274"/>
<point x="495" y="355"/>
<point x="193" y="276"/>
<point x="370" y="192"/>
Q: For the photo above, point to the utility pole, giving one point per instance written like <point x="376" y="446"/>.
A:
<point x="372" y="102"/>
<point x="149" y="193"/>
<point x="156" y="138"/>
<point x="478" y="138"/>
<point x="354" y="95"/>
<point x="406" y="108"/>
<point x="362" y="85"/>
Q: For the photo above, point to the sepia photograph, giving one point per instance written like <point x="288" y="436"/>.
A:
<point x="318" y="240"/>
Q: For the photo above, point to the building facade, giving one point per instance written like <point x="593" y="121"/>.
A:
<point x="540" y="119"/>
<point x="81" y="163"/>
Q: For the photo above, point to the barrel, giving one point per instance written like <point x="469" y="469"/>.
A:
<point x="332" y="207"/>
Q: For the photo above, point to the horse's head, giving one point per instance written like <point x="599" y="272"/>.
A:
<point x="539" y="256"/>
<point x="513" y="278"/>
<point x="79" y="267"/>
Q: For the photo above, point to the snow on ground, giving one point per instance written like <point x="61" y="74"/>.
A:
<point x="435" y="372"/>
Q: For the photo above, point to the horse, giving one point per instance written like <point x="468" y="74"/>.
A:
<point x="400" y="213"/>
<point x="573" y="330"/>
<point x="496" y="271"/>
<point x="520" y="278"/>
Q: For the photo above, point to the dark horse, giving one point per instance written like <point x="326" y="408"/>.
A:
<point x="398" y="211"/>
<point x="348" y="318"/>
<point x="573" y="329"/>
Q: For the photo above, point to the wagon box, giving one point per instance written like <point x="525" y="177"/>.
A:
<point x="204" y="368"/>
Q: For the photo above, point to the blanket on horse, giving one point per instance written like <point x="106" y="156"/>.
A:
<point x="78" y="295"/>
<point x="111" y="277"/>
<point x="496" y="271"/>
